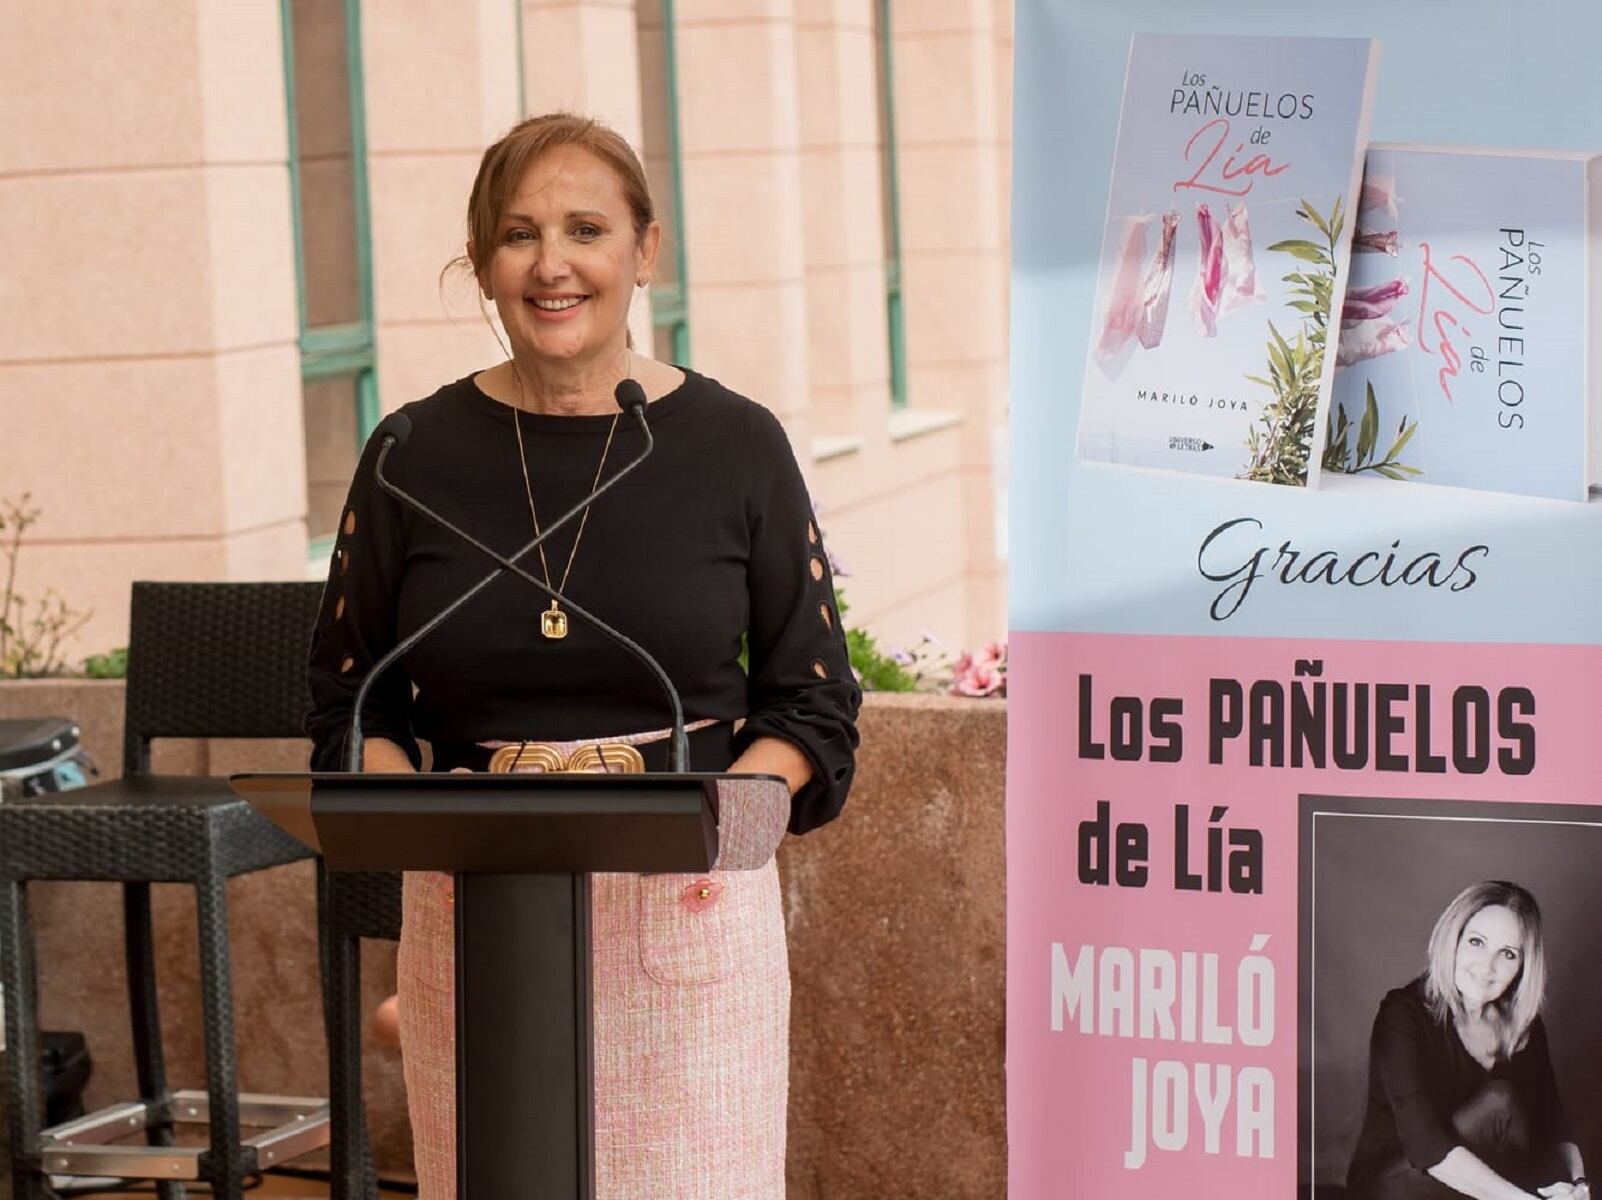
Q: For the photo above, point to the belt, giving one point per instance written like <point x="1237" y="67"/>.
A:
<point x="711" y="744"/>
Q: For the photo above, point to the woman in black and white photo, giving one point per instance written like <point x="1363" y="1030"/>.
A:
<point x="1462" y="1100"/>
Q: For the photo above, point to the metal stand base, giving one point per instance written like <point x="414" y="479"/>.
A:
<point x="298" y="1125"/>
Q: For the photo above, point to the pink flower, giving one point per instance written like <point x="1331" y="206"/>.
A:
<point x="981" y="672"/>
<point x="701" y="895"/>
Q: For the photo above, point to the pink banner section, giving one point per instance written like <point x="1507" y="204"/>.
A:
<point x="1154" y="789"/>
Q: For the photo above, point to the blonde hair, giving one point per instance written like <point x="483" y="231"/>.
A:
<point x="1515" y="1010"/>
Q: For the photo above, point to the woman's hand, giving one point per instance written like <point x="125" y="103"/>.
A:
<point x="380" y="756"/>
<point x="1575" y="1187"/>
<point x="774" y="756"/>
<point x="1564" y="1190"/>
<point x="1464" y="1171"/>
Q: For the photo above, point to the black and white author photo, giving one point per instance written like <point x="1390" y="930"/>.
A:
<point x="1468" y="1071"/>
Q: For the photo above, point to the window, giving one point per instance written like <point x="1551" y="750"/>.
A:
<point x="333" y="250"/>
<point x="659" y="96"/>
<point x="890" y="204"/>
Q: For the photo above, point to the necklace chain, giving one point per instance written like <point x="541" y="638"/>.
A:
<point x="553" y="622"/>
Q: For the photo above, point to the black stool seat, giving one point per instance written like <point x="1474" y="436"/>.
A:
<point x="145" y="828"/>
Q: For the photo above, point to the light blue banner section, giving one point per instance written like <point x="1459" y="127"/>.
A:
<point x="1114" y="549"/>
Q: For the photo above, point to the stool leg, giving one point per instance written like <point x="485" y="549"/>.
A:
<point x="139" y="946"/>
<point x="341" y="963"/>
<point x="223" y="1164"/>
<point x="350" y="1165"/>
<point x="24" y="1103"/>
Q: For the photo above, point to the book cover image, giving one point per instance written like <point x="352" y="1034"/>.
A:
<point x="1463" y="354"/>
<point x="1228" y="231"/>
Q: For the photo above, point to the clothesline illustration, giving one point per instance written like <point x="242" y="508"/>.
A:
<point x="1136" y="313"/>
<point x="1368" y="328"/>
<point x="1137" y="305"/>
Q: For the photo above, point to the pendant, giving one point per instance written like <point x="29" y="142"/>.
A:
<point x="553" y="622"/>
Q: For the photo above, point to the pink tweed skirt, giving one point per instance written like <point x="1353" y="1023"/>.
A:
<point x="692" y="1013"/>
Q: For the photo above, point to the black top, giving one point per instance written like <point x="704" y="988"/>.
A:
<point x="1420" y="1073"/>
<point x="711" y="538"/>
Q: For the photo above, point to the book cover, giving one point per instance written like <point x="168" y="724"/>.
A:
<point x="1470" y="320"/>
<point x="1228" y="231"/>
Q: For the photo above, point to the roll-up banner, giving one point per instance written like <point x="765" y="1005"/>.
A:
<point x="1304" y="805"/>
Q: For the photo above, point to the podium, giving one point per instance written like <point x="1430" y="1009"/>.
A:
<point x="522" y="848"/>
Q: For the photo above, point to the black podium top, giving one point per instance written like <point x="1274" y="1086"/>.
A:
<point x="514" y="823"/>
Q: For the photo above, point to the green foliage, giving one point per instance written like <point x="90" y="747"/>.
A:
<point x="877" y="671"/>
<point x="111" y="665"/>
<point x="30" y="645"/>
<point x="1280" y="443"/>
<point x="1339" y="455"/>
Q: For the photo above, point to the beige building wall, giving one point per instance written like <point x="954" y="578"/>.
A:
<point x="441" y="84"/>
<point x="150" y="391"/>
<point x="149" y="387"/>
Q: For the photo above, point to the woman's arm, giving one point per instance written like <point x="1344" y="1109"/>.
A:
<point x="380" y="756"/>
<point x="1550" y="1122"/>
<point x="774" y="756"/>
<point x="800" y="690"/>
<point x="1464" y="1171"/>
<point x="1575" y="1166"/>
<point x="356" y="627"/>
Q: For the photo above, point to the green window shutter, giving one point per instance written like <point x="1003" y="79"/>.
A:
<point x="333" y="248"/>
<point x="890" y="196"/>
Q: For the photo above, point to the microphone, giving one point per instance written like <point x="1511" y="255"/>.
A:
<point x="630" y="397"/>
<point x="393" y="431"/>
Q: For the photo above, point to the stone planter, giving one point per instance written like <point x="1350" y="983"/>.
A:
<point x="896" y="919"/>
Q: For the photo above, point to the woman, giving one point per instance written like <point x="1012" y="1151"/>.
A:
<point x="708" y="551"/>
<point x="1461" y="1096"/>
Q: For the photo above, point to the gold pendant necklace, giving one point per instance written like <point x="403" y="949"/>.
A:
<point x="553" y="621"/>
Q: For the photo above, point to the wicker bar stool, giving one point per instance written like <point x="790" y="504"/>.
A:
<point x="355" y="905"/>
<point x="205" y="660"/>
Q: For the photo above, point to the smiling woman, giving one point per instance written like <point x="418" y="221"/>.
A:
<point x="704" y="553"/>
<point x="1462" y="1100"/>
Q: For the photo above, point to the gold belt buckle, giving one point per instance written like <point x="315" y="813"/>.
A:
<point x="600" y="758"/>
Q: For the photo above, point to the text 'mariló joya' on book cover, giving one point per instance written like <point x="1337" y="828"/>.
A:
<point x="1229" y="225"/>
<point x="1463" y="349"/>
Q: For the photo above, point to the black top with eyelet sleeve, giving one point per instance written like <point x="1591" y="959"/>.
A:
<point x="1422" y="1081"/>
<point x="709" y="542"/>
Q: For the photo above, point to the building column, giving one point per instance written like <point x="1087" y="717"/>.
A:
<point x="841" y="180"/>
<point x="740" y="138"/>
<point x="149" y="358"/>
<point x="952" y="150"/>
<point x="441" y="85"/>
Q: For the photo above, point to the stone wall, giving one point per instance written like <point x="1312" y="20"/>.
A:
<point x="896" y="919"/>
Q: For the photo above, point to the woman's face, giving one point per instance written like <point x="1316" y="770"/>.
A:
<point x="566" y="259"/>
<point x="1490" y="954"/>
